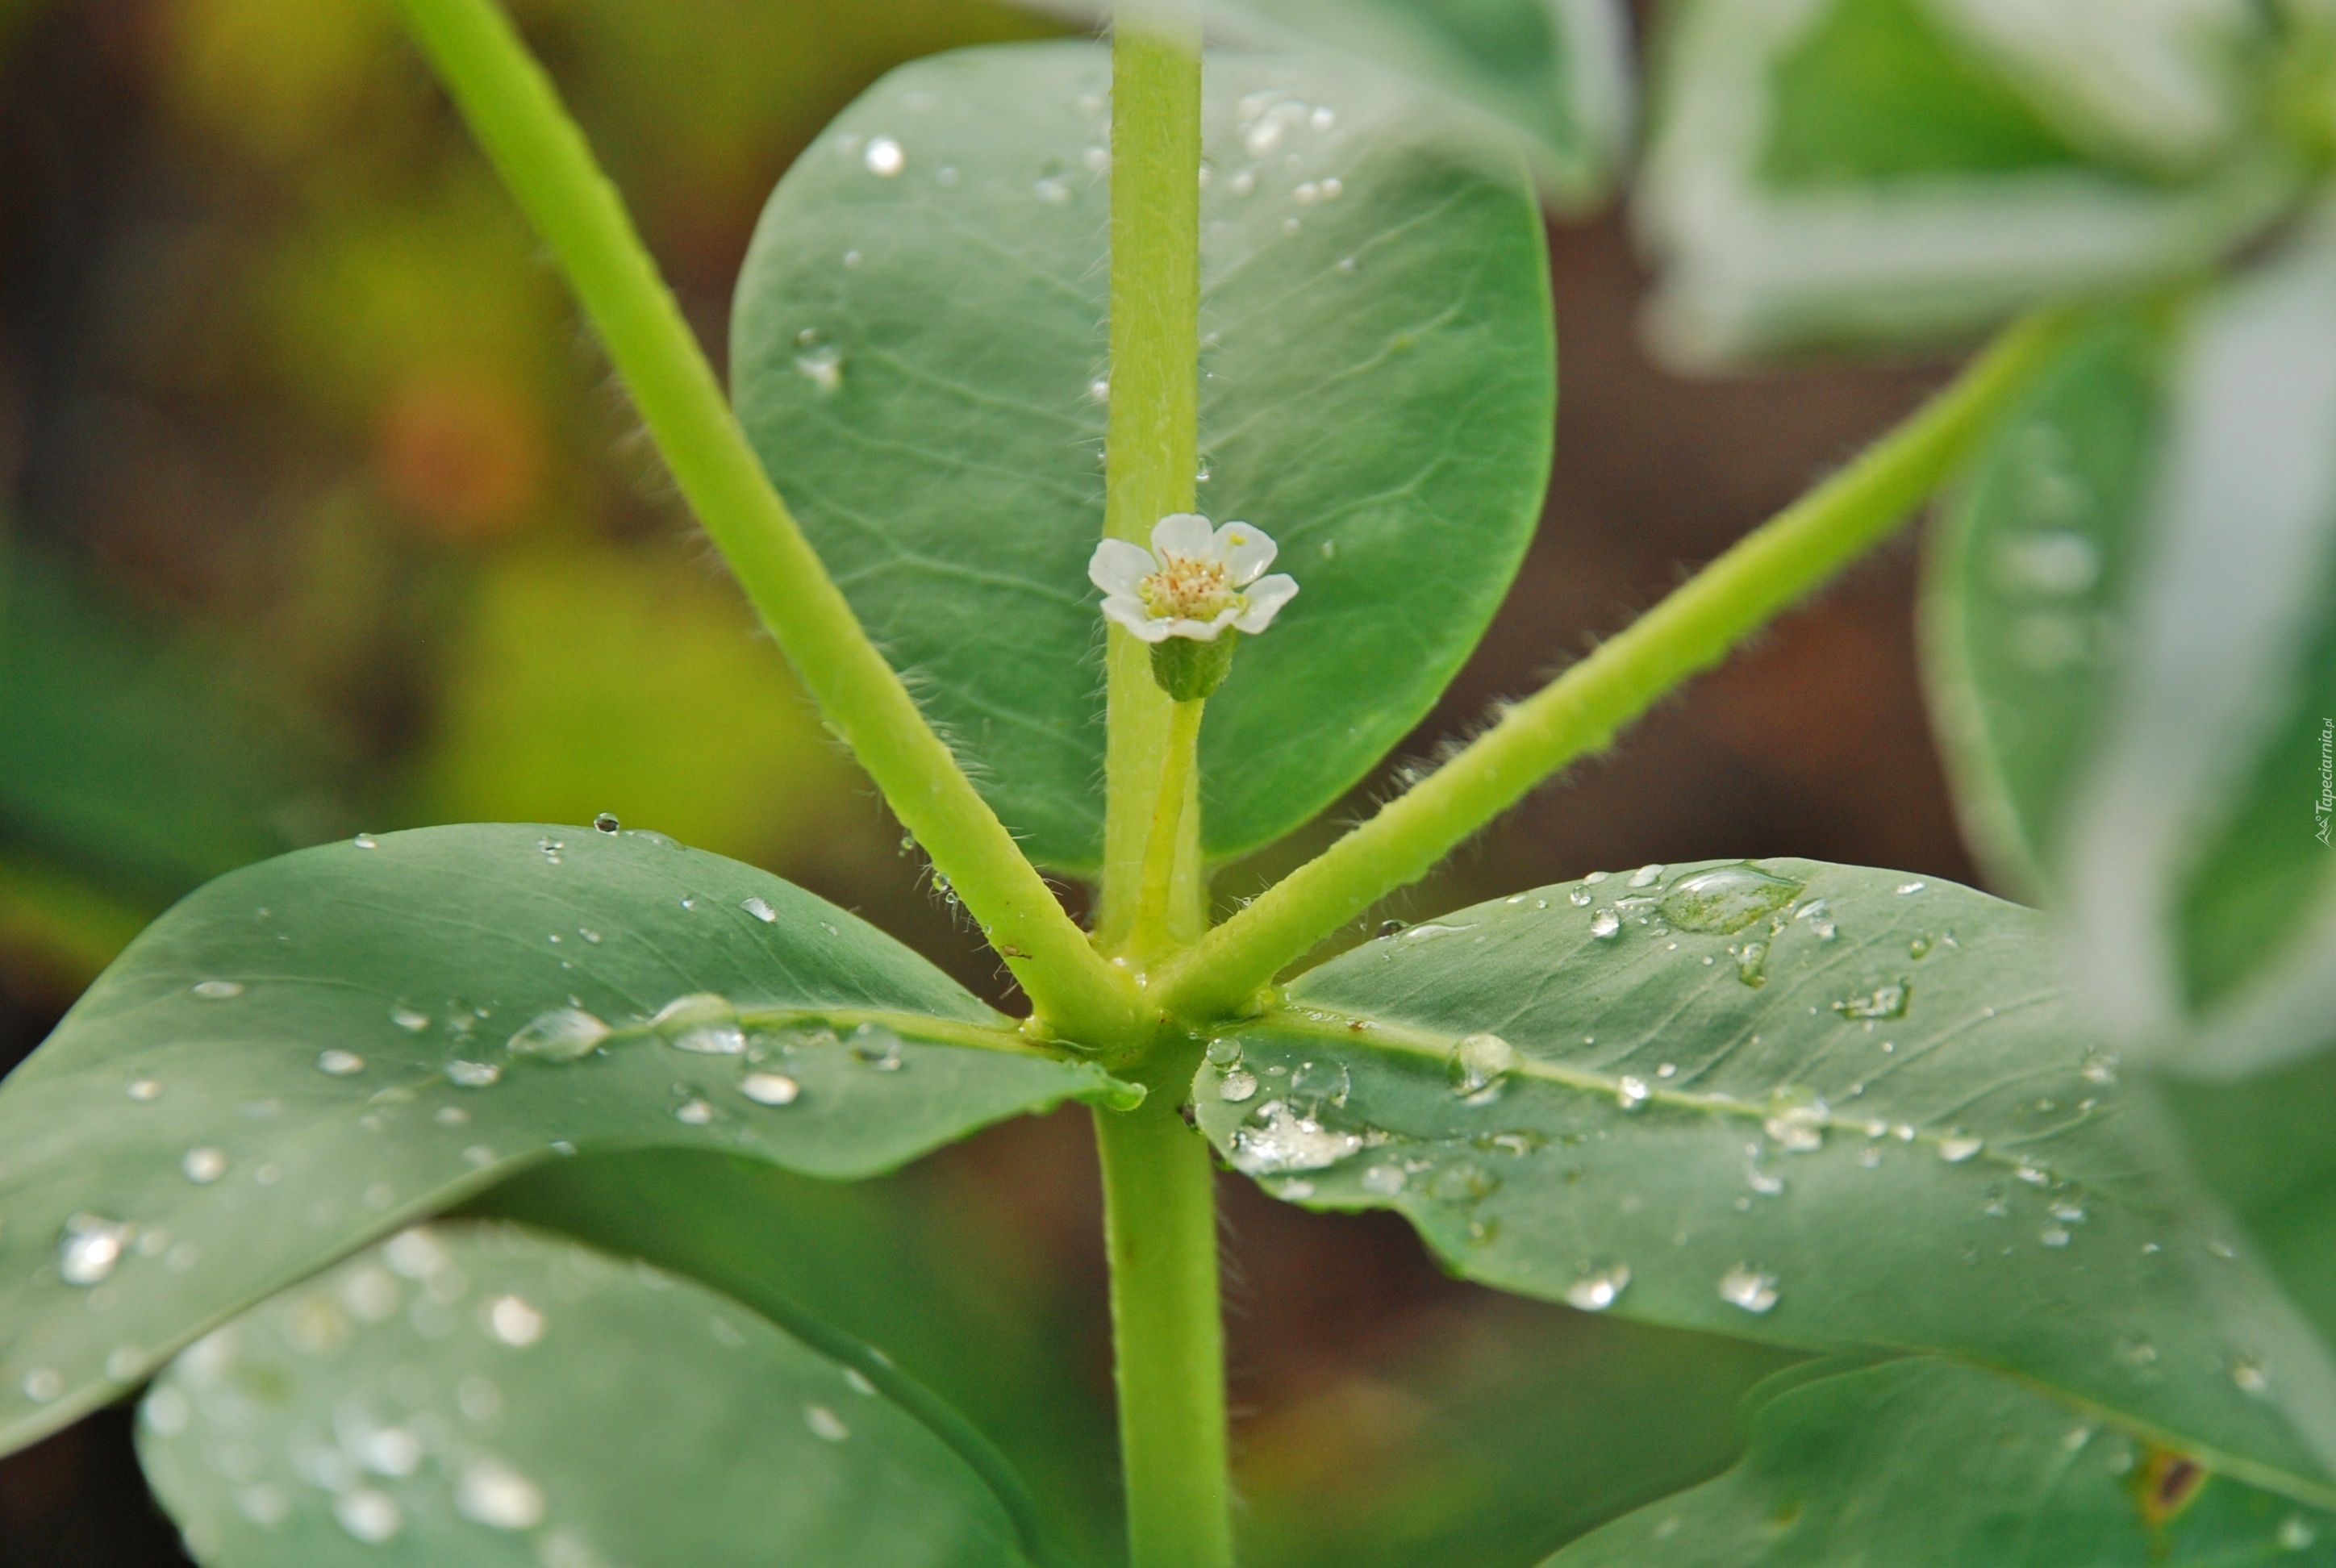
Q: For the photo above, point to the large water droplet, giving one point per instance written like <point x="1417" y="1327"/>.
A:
<point x="1726" y="899"/>
<point x="1745" y="1287"/>
<point x="495" y="1495"/>
<point x="1647" y="876"/>
<point x="2056" y="562"/>
<point x="825" y="1424"/>
<point x="702" y="1022"/>
<point x="43" y="1384"/>
<point x="2296" y="1533"/>
<point x="340" y="1064"/>
<point x="770" y="1089"/>
<point x="218" y="990"/>
<point x="515" y="1320"/>
<point x="473" y="1075"/>
<point x="410" y="1020"/>
<point x="759" y="910"/>
<point x="1605" y="925"/>
<point x="1630" y="1092"/>
<point x="607" y="822"/>
<point x="1236" y="1086"/>
<point x="560" y="1035"/>
<point x="1888" y="1001"/>
<point x="1317" y="1084"/>
<point x="144" y="1090"/>
<point x="1288" y="1142"/>
<point x="203" y="1166"/>
<point x="89" y="1246"/>
<point x="1957" y="1146"/>
<point x="1478" y="1068"/>
<point x="2249" y="1375"/>
<point x="693" y="1113"/>
<point x="373" y="1517"/>
<point x="1596" y="1292"/>
<point x="1796" y="1120"/>
<point x="824" y="368"/>
<point x="1224" y="1053"/>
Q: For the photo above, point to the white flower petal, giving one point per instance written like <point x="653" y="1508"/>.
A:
<point x="1118" y="566"/>
<point x="1200" y="630"/>
<point x="1184" y="534"/>
<point x="1266" y="598"/>
<point x="1132" y="614"/>
<point x="1246" y="552"/>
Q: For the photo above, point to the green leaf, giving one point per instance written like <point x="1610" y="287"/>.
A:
<point x="304" y="1054"/>
<point x="1819" y="1105"/>
<point x="484" y="1395"/>
<point x="1867" y="170"/>
<point x="903" y="1263"/>
<point x="918" y="355"/>
<point x="1921" y="1463"/>
<point x="1558" y="70"/>
<point x="2130" y="639"/>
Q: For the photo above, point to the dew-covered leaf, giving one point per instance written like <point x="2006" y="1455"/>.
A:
<point x="305" y="1054"/>
<point x="485" y="1395"/>
<point x="1831" y="171"/>
<point x="1815" y="1104"/>
<point x="2130" y="634"/>
<point x="1924" y="1463"/>
<point x="919" y="356"/>
<point x="1558" y="70"/>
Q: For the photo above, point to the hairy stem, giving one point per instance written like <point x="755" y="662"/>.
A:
<point x="1580" y="712"/>
<point x="1151" y="441"/>
<point x="1161" y="1226"/>
<point x="1174" y="802"/>
<point x="516" y="115"/>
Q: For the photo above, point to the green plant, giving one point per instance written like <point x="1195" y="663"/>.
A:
<point x="1840" y="1110"/>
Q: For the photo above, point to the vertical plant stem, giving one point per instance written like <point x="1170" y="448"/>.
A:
<point x="518" y="119"/>
<point x="1694" y="628"/>
<point x="1172" y="803"/>
<point x="1150" y="442"/>
<point x="1161" y="1224"/>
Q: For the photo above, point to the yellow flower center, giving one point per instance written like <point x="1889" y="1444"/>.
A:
<point x="1189" y="589"/>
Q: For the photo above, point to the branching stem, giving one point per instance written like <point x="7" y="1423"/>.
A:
<point x="1764" y="574"/>
<point x="516" y="115"/>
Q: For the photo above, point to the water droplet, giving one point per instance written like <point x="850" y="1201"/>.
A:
<point x="1888" y="1001"/>
<point x="495" y="1495"/>
<point x="2099" y="1066"/>
<point x="1725" y="899"/>
<point x="1428" y="930"/>
<point x="560" y="1035"/>
<point x="693" y="1113"/>
<point x="1743" y="1286"/>
<point x="1594" y="878"/>
<point x="1317" y="1084"/>
<point x="1957" y="1146"/>
<point x="1595" y="1292"/>
<point x="770" y="1089"/>
<point x="2053" y="1236"/>
<point x="1462" y="1183"/>
<point x="1631" y="1093"/>
<point x="2034" y="1175"/>
<point x="472" y="1076"/>
<point x="1288" y="1142"/>
<point x="366" y="841"/>
<point x="876" y="1049"/>
<point x="702" y="1022"/>
<point x="145" y="1089"/>
<point x="1796" y="1120"/>
<point x="515" y="1320"/>
<point x="1054" y="190"/>
<point x="1647" y="876"/>
<point x="1478" y="1068"/>
<point x="43" y="1384"/>
<point x="760" y="910"/>
<point x="2056" y="562"/>
<point x="218" y="990"/>
<point x="340" y="1064"/>
<point x="825" y="1424"/>
<point x="2251" y="1375"/>
<point x="2136" y="1351"/>
<point x="1906" y="888"/>
<point x="1236" y="1086"/>
<point x="410" y="1021"/>
<point x="2296" y="1533"/>
<point x="606" y="822"/>
<point x="1918" y="947"/>
<point x="203" y="1166"/>
<point x="89" y="1246"/>
<point x="371" y="1516"/>
<point x="1605" y="925"/>
<point x="1224" y="1053"/>
<point x="1383" y="1181"/>
<point x="551" y="848"/>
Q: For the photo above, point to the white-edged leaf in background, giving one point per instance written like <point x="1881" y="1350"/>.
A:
<point x="2131" y="628"/>
<point x="1856" y="171"/>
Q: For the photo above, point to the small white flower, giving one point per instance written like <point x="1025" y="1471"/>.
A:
<point x="1192" y="582"/>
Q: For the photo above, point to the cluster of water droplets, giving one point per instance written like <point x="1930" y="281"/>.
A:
<point x="2048" y="569"/>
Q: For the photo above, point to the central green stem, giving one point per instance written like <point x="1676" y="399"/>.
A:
<point x="1174" y="802"/>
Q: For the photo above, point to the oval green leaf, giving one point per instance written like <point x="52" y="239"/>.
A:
<point x="484" y="1395"/>
<point x="1922" y="1463"/>
<point x="917" y="353"/>
<point x="1819" y="1105"/>
<point x="306" y="1053"/>
<point x="2130" y="645"/>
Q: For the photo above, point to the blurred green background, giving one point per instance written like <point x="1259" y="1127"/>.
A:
<point x="318" y="512"/>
